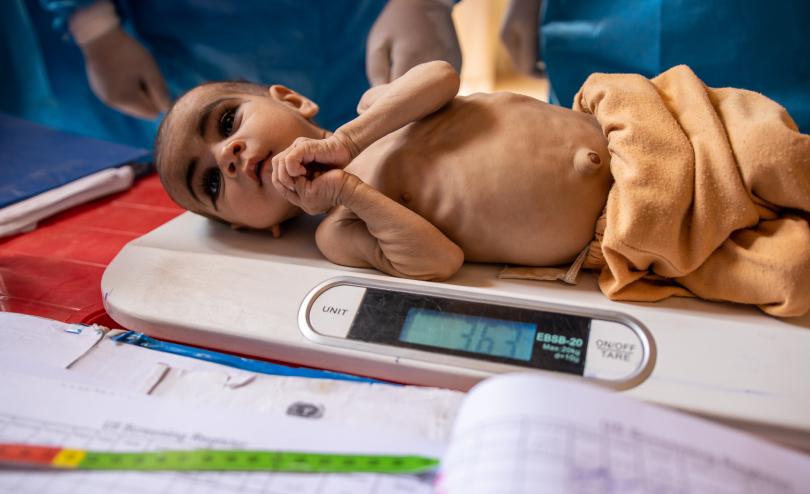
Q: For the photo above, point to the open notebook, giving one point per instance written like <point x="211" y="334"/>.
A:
<point x="526" y="433"/>
<point x="513" y="434"/>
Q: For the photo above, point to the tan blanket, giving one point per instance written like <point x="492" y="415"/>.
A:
<point x="711" y="195"/>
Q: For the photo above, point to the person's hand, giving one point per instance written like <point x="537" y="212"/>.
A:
<point x="124" y="75"/>
<point x="317" y="194"/>
<point x="407" y="33"/>
<point x="305" y="155"/>
<point x="520" y="35"/>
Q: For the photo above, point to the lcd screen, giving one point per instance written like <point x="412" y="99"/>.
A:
<point x="468" y="333"/>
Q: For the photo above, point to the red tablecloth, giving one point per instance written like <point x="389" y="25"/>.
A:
<point x="55" y="271"/>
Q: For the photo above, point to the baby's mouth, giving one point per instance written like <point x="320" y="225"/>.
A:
<point x="259" y="167"/>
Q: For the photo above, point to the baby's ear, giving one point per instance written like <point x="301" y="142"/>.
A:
<point x="305" y="106"/>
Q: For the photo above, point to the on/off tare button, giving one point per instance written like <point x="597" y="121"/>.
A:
<point x="614" y="351"/>
<point x="333" y="311"/>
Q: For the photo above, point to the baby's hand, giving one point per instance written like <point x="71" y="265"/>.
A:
<point x="333" y="151"/>
<point x="317" y="195"/>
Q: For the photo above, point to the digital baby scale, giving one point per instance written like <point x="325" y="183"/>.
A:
<point x="199" y="282"/>
<point x="472" y="331"/>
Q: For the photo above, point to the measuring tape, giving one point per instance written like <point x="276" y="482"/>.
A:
<point x="27" y="456"/>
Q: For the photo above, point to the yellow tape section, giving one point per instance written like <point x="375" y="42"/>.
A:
<point x="68" y="458"/>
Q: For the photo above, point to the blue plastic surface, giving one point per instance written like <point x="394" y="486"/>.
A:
<point x="140" y="339"/>
<point x="35" y="159"/>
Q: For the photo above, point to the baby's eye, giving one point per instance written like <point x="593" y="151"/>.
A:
<point x="226" y="121"/>
<point x="211" y="183"/>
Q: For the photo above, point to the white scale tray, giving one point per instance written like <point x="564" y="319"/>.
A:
<point x="197" y="281"/>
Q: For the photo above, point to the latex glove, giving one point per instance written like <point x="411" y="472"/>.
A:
<point x="407" y="33"/>
<point x="124" y="75"/>
<point x="306" y="157"/>
<point x="520" y="35"/>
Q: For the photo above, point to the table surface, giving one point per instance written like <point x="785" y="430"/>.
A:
<point x="55" y="270"/>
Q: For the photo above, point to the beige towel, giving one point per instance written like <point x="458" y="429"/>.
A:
<point x="711" y="195"/>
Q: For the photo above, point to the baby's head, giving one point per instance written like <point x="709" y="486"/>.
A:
<point x="213" y="150"/>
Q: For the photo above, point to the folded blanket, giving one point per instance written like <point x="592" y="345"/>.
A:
<point x="711" y="195"/>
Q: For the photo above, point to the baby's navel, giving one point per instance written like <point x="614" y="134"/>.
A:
<point x="406" y="197"/>
<point x="587" y="161"/>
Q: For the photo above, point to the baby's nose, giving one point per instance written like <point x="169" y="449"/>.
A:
<point x="235" y="148"/>
<point x="230" y="155"/>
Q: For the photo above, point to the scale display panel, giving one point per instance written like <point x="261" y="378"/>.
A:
<point x="480" y="335"/>
<point x="472" y="329"/>
<point x="448" y="328"/>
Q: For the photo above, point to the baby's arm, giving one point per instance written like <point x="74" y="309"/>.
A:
<point x="369" y="97"/>
<point x="368" y="229"/>
<point x="418" y="93"/>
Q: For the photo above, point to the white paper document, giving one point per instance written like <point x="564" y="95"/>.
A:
<point x="47" y="412"/>
<point x="526" y="433"/>
<point x="66" y="385"/>
<point x="36" y="344"/>
<point x="75" y="353"/>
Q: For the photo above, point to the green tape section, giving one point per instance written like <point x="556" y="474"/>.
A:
<point x="223" y="460"/>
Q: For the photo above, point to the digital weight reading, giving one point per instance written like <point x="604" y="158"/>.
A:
<point x="478" y="330"/>
<point x="475" y="334"/>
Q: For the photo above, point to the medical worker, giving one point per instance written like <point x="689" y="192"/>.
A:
<point x="107" y="69"/>
<point x="760" y="46"/>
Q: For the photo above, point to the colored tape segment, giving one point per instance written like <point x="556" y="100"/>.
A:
<point x="256" y="461"/>
<point x="25" y="454"/>
<point x="214" y="460"/>
<point x="69" y="458"/>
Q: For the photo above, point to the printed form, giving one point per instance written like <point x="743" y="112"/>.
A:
<point x="47" y="412"/>
<point x="526" y="433"/>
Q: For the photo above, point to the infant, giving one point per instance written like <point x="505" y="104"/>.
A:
<point x="423" y="180"/>
<point x="419" y="182"/>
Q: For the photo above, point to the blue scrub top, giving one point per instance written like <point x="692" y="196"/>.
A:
<point x="316" y="47"/>
<point x="760" y="46"/>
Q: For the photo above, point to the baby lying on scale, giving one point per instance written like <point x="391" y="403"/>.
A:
<point x="423" y="180"/>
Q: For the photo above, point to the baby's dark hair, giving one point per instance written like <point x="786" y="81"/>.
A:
<point x="234" y="87"/>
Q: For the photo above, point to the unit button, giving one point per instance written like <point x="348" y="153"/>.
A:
<point x="615" y="351"/>
<point x="332" y="313"/>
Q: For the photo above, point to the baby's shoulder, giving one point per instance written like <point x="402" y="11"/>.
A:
<point x="504" y="105"/>
<point x="496" y="98"/>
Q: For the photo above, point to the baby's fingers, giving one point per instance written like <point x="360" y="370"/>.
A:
<point x="282" y="177"/>
<point x="291" y="196"/>
<point x="307" y="197"/>
<point x="291" y="169"/>
<point x="288" y="194"/>
<point x="295" y="157"/>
